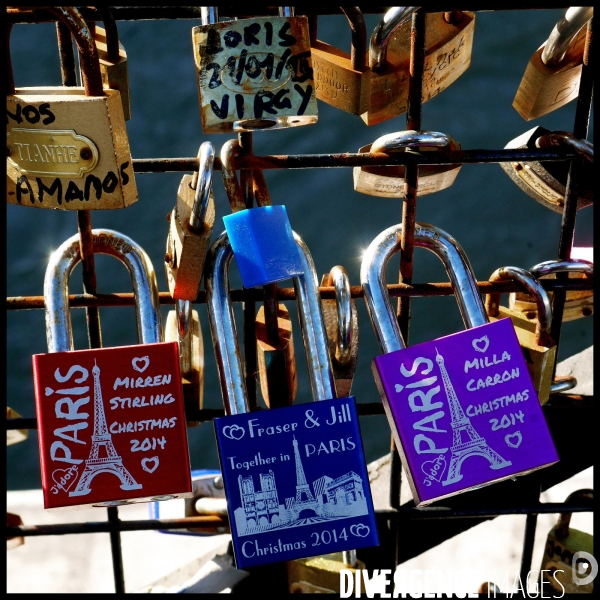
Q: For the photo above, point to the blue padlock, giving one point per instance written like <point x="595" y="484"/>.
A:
<point x="261" y="238"/>
<point x="295" y="478"/>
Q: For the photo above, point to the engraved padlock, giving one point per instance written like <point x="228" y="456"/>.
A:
<point x="67" y="148"/>
<point x="341" y="324"/>
<point x="568" y="564"/>
<point x="254" y="73"/>
<point x="578" y="304"/>
<point x="546" y="181"/>
<point x="262" y="237"/>
<point x="388" y="182"/>
<point x="448" y="46"/>
<point x="113" y="58"/>
<point x="14" y="436"/>
<point x="552" y="76"/>
<point x="455" y="398"/>
<point x="539" y="350"/>
<point x="114" y="412"/>
<point x="285" y="467"/>
<point x="191" y="224"/>
<point x="183" y="327"/>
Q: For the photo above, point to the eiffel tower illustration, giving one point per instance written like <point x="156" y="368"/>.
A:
<point x="304" y="497"/>
<point x="111" y="462"/>
<point x="462" y="428"/>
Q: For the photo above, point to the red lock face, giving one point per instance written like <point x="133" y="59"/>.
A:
<point x="112" y="426"/>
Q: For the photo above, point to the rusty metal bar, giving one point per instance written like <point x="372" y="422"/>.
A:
<point x="67" y="56"/>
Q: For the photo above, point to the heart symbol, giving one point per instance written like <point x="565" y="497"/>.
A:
<point x="360" y="530"/>
<point x="434" y="469"/>
<point x="518" y="437"/>
<point x="482" y="341"/>
<point x="65" y="478"/>
<point x="135" y="363"/>
<point x="49" y="391"/>
<point x="146" y="464"/>
<point x="233" y="432"/>
<point x="399" y="388"/>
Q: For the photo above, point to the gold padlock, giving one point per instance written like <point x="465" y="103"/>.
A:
<point x="183" y="326"/>
<point x="538" y="347"/>
<point x="113" y="58"/>
<point x="546" y="182"/>
<point x="552" y="76"/>
<point x="341" y="324"/>
<point x="568" y="564"/>
<point x="578" y="304"/>
<point x="67" y="146"/>
<point x="388" y="182"/>
<point x="192" y="222"/>
<point x="14" y="436"/>
<point x="254" y="73"/>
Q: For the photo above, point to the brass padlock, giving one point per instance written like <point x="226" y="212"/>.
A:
<point x="546" y="181"/>
<point x="192" y="222"/>
<point x="388" y="182"/>
<point x="552" y="76"/>
<point x="254" y="73"/>
<point x="448" y="46"/>
<point x="14" y="436"/>
<point x="568" y="564"/>
<point x="183" y="326"/>
<point x="113" y="58"/>
<point x="538" y="347"/>
<point x="578" y="304"/>
<point x="67" y="148"/>
<point x="341" y="324"/>
<point x="13" y="520"/>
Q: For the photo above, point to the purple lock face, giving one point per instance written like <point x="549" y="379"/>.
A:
<point x="463" y="411"/>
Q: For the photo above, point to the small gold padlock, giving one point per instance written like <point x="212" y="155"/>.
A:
<point x="552" y="76"/>
<point x="341" y="324"/>
<point x="388" y="182"/>
<point x="546" y="182"/>
<point x="578" y="304"/>
<point x="67" y="146"/>
<point x="14" y="436"/>
<point x="561" y="568"/>
<point x="192" y="222"/>
<point x="538" y="347"/>
<point x="183" y="326"/>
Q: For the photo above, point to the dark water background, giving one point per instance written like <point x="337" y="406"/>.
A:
<point x="494" y="221"/>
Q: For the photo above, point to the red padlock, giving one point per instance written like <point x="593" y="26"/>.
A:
<point x="111" y="421"/>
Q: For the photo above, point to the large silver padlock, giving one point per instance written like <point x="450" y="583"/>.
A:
<point x="254" y="73"/>
<point x="388" y="182"/>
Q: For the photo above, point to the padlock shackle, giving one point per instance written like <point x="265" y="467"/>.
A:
<point x="563" y="34"/>
<point x="393" y="18"/>
<point x="563" y="384"/>
<point x="539" y="294"/>
<point x="185" y="325"/>
<point x="567" y="140"/>
<point x="201" y="182"/>
<point x="562" y="527"/>
<point x="259" y="188"/>
<point x="557" y="266"/>
<point x="409" y="138"/>
<point x="338" y="278"/>
<point x="358" y="49"/>
<point x="372" y="278"/>
<point x="112" y="33"/>
<point x="209" y="15"/>
<point x="63" y="260"/>
<point x="230" y="180"/>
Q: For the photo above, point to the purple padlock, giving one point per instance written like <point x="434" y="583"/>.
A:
<point x="462" y="408"/>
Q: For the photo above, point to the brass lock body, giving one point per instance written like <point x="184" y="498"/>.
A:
<point x="546" y="181"/>
<point x="14" y="436"/>
<point x="319" y="574"/>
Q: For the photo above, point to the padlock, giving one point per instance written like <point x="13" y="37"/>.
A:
<point x="448" y="46"/>
<point x="578" y="304"/>
<point x="67" y="147"/>
<point x="117" y="412"/>
<point x="113" y="58"/>
<point x="270" y="458"/>
<point x="14" y="436"/>
<point x="539" y="350"/>
<point x="261" y="238"/>
<point x="546" y="181"/>
<point x="552" y="76"/>
<point x="254" y="73"/>
<point x="568" y="564"/>
<point x="192" y="221"/>
<point x="183" y="327"/>
<point x="388" y="182"/>
<point x="341" y="324"/>
<point x="13" y="520"/>
<point x="462" y="396"/>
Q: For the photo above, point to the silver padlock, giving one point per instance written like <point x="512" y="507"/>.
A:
<point x="388" y="182"/>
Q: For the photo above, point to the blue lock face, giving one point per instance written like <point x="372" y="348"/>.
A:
<point x="296" y="482"/>
<point x="263" y="244"/>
